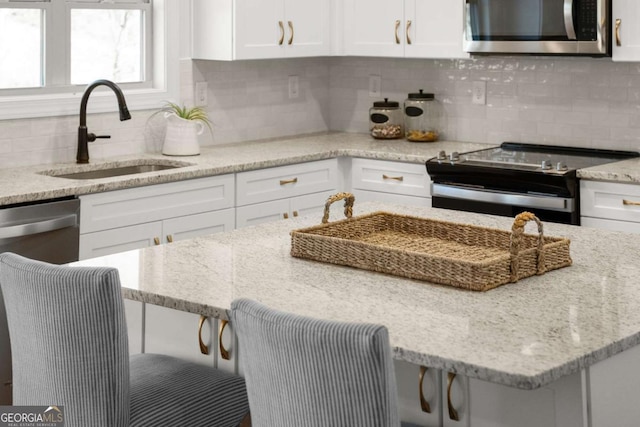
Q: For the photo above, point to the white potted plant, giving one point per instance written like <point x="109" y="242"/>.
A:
<point x="183" y="127"/>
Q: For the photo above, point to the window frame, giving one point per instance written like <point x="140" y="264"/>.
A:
<point x="163" y="69"/>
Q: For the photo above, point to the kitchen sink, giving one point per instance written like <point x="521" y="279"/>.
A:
<point x="109" y="170"/>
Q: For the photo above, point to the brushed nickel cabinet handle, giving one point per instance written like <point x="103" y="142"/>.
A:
<point x="204" y="349"/>
<point x="288" y="181"/>
<point x="395" y="178"/>
<point x="423" y="402"/>
<point x="291" y="30"/>
<point x="281" y="39"/>
<point x="618" y="23"/>
<point x="453" y="414"/>
<point x="397" y="36"/>
<point x="224" y="353"/>
<point x="408" y="27"/>
<point x="156" y="240"/>
<point x="169" y="238"/>
<point x="630" y="202"/>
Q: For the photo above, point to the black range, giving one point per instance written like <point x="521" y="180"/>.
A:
<point x="515" y="177"/>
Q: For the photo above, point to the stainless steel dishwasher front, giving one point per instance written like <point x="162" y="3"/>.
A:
<point x="47" y="231"/>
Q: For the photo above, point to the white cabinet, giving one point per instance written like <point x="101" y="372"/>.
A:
<point x="609" y="205"/>
<point x="394" y="182"/>
<point x="134" y="218"/>
<point x="409" y="28"/>
<point x="558" y="404"/>
<point x="284" y="192"/>
<point x="614" y="387"/>
<point x="419" y="394"/>
<point x="625" y="33"/>
<point x="246" y="29"/>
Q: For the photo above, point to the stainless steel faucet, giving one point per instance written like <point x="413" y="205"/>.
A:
<point x="84" y="137"/>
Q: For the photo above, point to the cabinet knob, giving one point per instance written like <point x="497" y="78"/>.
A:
<point x="285" y="215"/>
<point x="288" y="181"/>
<point x="397" y="36"/>
<point x="156" y="240"/>
<point x="395" y="178"/>
<point x="169" y="238"/>
<point x="281" y="39"/>
<point x="424" y="405"/>
<point x="453" y="414"/>
<point x="224" y="353"/>
<point x="204" y="349"/>
<point x="291" y="31"/>
<point x="295" y="213"/>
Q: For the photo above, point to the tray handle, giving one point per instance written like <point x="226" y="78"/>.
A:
<point x="517" y="230"/>
<point x="348" y="205"/>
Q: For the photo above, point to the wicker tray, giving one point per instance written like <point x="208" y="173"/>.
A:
<point x="459" y="255"/>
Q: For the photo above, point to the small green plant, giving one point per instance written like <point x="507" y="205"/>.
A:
<point x="193" y="113"/>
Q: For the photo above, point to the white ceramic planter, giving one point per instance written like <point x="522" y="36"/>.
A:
<point x="181" y="137"/>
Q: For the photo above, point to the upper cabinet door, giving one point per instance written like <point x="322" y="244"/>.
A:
<point x="260" y="29"/>
<point x="433" y="29"/>
<point x="625" y="30"/>
<point x="374" y="28"/>
<point x="307" y="27"/>
<point x="249" y="29"/>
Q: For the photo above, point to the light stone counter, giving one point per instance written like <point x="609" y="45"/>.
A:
<point x="26" y="184"/>
<point x="625" y="171"/>
<point x="526" y="334"/>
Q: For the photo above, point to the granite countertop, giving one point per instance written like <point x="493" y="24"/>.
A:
<point x="525" y="334"/>
<point x="26" y="184"/>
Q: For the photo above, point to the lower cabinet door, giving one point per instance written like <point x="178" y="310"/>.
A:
<point x="178" y="333"/>
<point x="260" y="213"/>
<point x="558" y="404"/>
<point x="419" y="394"/>
<point x="456" y="403"/>
<point x="122" y="239"/>
<point x="190" y="226"/>
<point x="134" y="314"/>
<point x="614" y="385"/>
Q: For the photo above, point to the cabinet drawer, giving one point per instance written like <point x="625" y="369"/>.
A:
<point x="122" y="208"/>
<point x="286" y="181"/>
<point x="409" y="179"/>
<point x="609" y="200"/>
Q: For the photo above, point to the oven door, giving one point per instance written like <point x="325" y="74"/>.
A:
<point x="493" y="202"/>
<point x="546" y="27"/>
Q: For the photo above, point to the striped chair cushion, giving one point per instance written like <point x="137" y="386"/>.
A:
<point x="166" y="391"/>
<point x="309" y="372"/>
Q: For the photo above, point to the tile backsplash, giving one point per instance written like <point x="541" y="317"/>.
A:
<point x="562" y="101"/>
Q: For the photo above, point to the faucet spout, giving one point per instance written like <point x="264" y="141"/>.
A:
<point x="84" y="137"/>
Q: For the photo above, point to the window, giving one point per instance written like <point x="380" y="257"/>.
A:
<point x="50" y="50"/>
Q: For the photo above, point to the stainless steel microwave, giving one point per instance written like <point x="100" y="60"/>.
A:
<point x="538" y="27"/>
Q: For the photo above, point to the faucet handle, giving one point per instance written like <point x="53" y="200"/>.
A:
<point x="92" y="137"/>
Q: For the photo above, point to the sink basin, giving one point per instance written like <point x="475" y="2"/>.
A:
<point x="108" y="170"/>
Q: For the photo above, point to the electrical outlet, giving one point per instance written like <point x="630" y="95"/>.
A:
<point x="293" y="87"/>
<point x="479" y="93"/>
<point x="201" y="94"/>
<point x="374" y="86"/>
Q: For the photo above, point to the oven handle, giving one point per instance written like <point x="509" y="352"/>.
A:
<point x="568" y="20"/>
<point x="38" y="227"/>
<point x="526" y="200"/>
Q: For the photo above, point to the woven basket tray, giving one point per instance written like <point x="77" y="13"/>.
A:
<point x="460" y="255"/>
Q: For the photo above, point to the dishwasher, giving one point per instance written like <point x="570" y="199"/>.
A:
<point x="47" y="231"/>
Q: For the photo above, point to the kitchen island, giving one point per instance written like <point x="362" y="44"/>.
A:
<point x="524" y="335"/>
